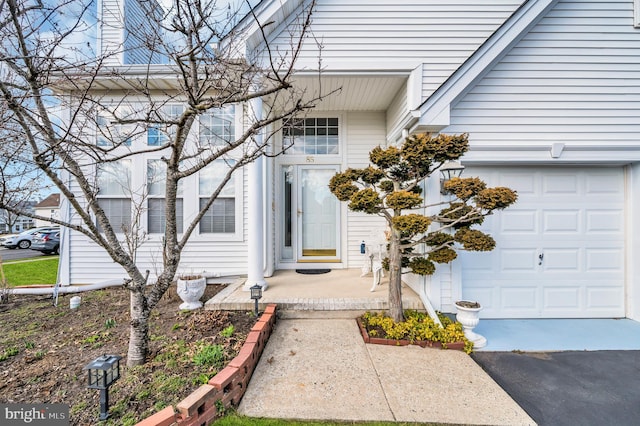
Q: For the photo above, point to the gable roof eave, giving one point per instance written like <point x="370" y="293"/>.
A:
<point x="53" y="200"/>
<point x="435" y="111"/>
<point x="260" y="16"/>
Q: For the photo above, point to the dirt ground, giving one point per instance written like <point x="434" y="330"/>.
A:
<point x="44" y="348"/>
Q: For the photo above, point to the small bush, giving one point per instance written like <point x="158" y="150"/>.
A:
<point x="416" y="327"/>
<point x="210" y="355"/>
<point x="228" y="331"/>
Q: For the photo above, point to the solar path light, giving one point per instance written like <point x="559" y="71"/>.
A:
<point x="102" y="372"/>
<point x="256" y="294"/>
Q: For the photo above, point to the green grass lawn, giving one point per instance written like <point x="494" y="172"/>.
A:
<point x="31" y="271"/>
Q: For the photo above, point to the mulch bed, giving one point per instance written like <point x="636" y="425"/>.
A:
<point x="45" y="349"/>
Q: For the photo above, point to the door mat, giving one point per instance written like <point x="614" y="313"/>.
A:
<point x="313" y="271"/>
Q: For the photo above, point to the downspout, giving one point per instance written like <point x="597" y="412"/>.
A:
<point x="427" y="303"/>
<point x="423" y="294"/>
<point x="35" y="290"/>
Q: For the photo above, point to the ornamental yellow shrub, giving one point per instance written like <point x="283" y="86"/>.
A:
<point x="417" y="326"/>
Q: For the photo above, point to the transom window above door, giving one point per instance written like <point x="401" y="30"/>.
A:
<point x="311" y="136"/>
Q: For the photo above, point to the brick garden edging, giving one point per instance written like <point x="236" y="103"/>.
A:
<point x="228" y="386"/>
<point x="459" y="346"/>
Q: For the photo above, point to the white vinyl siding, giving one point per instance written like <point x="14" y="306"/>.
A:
<point x="574" y="78"/>
<point x="113" y="17"/>
<point x="111" y="34"/>
<point x="397" y="109"/>
<point x="138" y="31"/>
<point x="383" y="35"/>
<point x="364" y="131"/>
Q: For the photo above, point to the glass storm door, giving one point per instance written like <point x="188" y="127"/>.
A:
<point x="317" y="214"/>
<point x="311" y="215"/>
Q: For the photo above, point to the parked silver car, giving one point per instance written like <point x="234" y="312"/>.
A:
<point x="24" y="239"/>
<point x="47" y="242"/>
<point x="6" y="236"/>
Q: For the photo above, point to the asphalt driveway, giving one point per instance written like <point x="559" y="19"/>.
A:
<point x="570" y="388"/>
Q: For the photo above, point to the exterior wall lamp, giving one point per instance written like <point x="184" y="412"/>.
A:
<point x="449" y="169"/>
<point x="256" y="294"/>
<point x="102" y="372"/>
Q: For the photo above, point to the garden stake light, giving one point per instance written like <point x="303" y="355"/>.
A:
<point x="256" y="294"/>
<point x="103" y="371"/>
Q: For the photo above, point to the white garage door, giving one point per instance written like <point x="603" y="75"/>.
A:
<point x="560" y="248"/>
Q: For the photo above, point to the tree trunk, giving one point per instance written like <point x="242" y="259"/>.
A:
<point x="139" y="329"/>
<point x="396" y="312"/>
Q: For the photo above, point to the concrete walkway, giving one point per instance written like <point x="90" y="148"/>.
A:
<point x="321" y="369"/>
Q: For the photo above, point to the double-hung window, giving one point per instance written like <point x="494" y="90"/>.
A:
<point x="217" y="126"/>
<point x="114" y="193"/>
<point x="311" y="136"/>
<point x="159" y="134"/>
<point x="220" y="218"/>
<point x="111" y="131"/>
<point x="156" y="207"/>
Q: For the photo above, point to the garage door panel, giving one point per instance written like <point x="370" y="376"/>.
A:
<point x="501" y="299"/>
<point x="604" y="221"/>
<point x="575" y="218"/>
<point x="605" y="260"/>
<point x="559" y="183"/>
<point x="561" y="221"/>
<point x="562" y="260"/>
<point x="606" y="300"/>
<point x="522" y="298"/>
<point x="521" y="260"/>
<point x="523" y="184"/>
<point x="517" y="222"/>
<point x="562" y="297"/>
<point x="603" y="182"/>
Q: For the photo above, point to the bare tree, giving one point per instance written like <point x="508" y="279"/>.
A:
<point x="82" y="118"/>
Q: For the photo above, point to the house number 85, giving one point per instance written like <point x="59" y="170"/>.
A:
<point x="311" y="159"/>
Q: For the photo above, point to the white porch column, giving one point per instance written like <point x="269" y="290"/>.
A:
<point x="255" y="271"/>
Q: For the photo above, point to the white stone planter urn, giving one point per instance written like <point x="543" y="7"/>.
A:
<point x="190" y="290"/>
<point x="468" y="315"/>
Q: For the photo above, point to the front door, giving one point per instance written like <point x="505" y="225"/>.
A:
<point x="310" y="223"/>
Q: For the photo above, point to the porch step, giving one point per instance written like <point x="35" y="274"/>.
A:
<point x="234" y="299"/>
